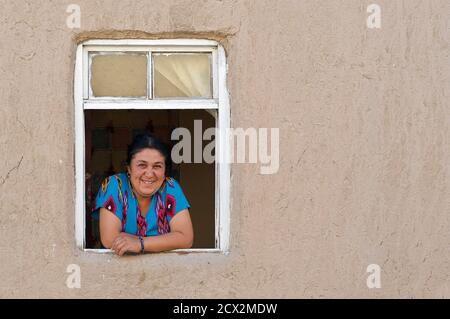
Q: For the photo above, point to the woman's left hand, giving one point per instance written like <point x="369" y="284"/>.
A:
<point x="126" y="243"/>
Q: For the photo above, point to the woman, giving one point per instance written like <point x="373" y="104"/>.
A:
<point x="143" y="210"/>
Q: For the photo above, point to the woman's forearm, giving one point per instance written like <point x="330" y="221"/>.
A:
<point x="169" y="241"/>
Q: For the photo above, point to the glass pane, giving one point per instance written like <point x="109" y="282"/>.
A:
<point x="182" y="75"/>
<point x="119" y="75"/>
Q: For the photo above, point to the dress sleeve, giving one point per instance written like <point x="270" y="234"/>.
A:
<point x="175" y="199"/>
<point x="109" y="196"/>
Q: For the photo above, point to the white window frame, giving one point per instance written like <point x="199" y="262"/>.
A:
<point x="219" y="102"/>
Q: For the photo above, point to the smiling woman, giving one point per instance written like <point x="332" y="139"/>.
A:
<point x="143" y="210"/>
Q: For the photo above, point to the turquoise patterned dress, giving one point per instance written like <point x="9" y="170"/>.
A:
<point x="117" y="196"/>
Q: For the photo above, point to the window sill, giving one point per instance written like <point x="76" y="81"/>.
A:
<point x="177" y="251"/>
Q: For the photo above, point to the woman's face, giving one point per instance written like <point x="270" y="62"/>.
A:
<point x="147" y="172"/>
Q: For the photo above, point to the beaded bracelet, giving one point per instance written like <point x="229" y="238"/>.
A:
<point x="142" y="244"/>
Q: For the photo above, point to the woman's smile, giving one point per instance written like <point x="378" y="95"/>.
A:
<point x="147" y="184"/>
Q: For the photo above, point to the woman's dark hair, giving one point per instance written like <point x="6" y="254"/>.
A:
<point x="147" y="140"/>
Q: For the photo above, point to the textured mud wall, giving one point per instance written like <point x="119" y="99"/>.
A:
<point x="364" y="149"/>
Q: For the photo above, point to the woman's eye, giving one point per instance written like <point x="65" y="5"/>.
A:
<point x="141" y="165"/>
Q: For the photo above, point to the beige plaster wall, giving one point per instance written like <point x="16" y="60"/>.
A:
<point x="364" y="149"/>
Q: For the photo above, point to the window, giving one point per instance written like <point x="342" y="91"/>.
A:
<point x="124" y="87"/>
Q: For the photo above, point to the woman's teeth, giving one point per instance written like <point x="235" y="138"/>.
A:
<point x="147" y="182"/>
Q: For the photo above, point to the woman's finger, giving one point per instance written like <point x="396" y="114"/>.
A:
<point x="119" y="247"/>
<point x="123" y="249"/>
<point x="114" y="245"/>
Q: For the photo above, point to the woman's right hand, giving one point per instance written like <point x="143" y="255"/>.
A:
<point x="126" y="243"/>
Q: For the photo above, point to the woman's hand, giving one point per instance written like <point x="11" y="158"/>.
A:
<point x="126" y="243"/>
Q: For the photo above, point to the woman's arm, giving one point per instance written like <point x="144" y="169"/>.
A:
<point x="181" y="235"/>
<point x="110" y="227"/>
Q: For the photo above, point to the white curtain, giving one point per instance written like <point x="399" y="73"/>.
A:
<point x="180" y="75"/>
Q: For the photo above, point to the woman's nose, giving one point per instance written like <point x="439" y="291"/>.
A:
<point x="149" y="172"/>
